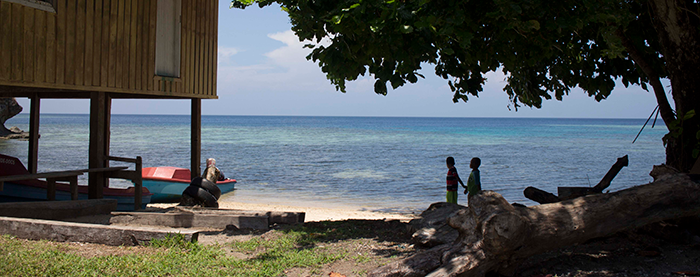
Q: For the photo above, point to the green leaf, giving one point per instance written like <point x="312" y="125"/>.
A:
<point x="689" y="115"/>
<point x="517" y="8"/>
<point x="243" y="2"/>
<point x="352" y="7"/>
<point x="412" y="78"/>
<point x="421" y="24"/>
<point x="534" y="24"/>
<point x="380" y="87"/>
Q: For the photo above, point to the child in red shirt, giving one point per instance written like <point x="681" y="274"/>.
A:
<point x="452" y="181"/>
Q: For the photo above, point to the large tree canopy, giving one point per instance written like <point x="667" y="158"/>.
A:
<point x="545" y="48"/>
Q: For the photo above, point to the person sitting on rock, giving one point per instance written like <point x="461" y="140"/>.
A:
<point x="212" y="173"/>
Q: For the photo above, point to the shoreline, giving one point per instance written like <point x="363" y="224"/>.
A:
<point x="313" y="212"/>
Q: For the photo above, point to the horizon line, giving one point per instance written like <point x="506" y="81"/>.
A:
<point x="349" y="116"/>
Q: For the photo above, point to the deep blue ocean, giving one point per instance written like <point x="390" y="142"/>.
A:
<point x="394" y="164"/>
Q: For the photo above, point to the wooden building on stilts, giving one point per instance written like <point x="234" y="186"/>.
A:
<point x="108" y="49"/>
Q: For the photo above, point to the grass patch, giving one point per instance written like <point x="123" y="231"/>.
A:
<point x="302" y="246"/>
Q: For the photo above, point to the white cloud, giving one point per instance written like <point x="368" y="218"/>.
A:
<point x="282" y="70"/>
<point x="225" y="55"/>
<point x="293" y="54"/>
<point x="283" y="82"/>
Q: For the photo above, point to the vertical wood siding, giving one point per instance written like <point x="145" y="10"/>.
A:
<point x="106" y="45"/>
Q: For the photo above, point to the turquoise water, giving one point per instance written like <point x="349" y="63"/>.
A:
<point x="379" y="163"/>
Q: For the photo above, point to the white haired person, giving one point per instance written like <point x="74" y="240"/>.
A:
<point x="212" y="173"/>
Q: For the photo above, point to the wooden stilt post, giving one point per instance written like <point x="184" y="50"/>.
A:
<point x="138" y="184"/>
<point x="107" y="105"/>
<point x="196" y="140"/>
<point x="34" y="113"/>
<point x="96" y="180"/>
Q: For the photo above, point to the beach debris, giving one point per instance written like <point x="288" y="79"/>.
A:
<point x="336" y="274"/>
<point x="565" y="193"/>
<point x="201" y="192"/>
<point x="495" y="236"/>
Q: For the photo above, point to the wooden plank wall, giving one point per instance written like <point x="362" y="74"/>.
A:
<point x="106" y="45"/>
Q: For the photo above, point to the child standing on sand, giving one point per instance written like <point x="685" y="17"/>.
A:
<point x="452" y="181"/>
<point x="474" y="180"/>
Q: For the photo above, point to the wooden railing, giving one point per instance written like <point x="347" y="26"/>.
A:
<point x="71" y="176"/>
<point x="135" y="176"/>
<point x="51" y="178"/>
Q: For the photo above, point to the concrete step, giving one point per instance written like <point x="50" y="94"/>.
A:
<point x="38" y="229"/>
<point x="209" y="218"/>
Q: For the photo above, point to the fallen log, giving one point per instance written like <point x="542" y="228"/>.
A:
<point x="566" y="193"/>
<point x="431" y="229"/>
<point x="495" y="236"/>
<point x="540" y="196"/>
<point x="605" y="182"/>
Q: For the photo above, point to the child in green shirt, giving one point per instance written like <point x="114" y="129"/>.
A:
<point x="474" y="181"/>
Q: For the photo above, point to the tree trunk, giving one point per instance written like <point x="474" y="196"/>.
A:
<point x="676" y="24"/>
<point x="497" y="236"/>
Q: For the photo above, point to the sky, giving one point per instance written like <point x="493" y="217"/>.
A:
<point x="262" y="70"/>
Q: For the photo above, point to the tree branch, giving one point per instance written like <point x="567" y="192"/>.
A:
<point x="664" y="107"/>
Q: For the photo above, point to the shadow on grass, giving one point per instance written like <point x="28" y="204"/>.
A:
<point x="379" y="237"/>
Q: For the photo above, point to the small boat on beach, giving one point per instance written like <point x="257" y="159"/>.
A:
<point x="167" y="183"/>
<point x="36" y="189"/>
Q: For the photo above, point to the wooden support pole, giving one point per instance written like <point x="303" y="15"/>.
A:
<point x="120" y="172"/>
<point x="97" y="157"/>
<point x="34" y="113"/>
<point x="138" y="185"/>
<point x="72" y="179"/>
<point x="196" y="140"/>
<point x="106" y="132"/>
<point x="50" y="189"/>
<point x="74" y="188"/>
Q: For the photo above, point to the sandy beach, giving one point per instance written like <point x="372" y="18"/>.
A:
<point x="313" y="213"/>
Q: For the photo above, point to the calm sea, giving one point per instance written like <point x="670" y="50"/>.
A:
<point x="394" y="164"/>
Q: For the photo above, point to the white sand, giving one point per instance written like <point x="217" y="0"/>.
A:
<point x="312" y="213"/>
